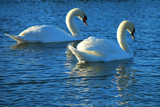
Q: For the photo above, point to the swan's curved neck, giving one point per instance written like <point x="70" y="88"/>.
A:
<point x="71" y="25"/>
<point x="121" y="33"/>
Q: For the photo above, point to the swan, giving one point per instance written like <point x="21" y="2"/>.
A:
<point x="48" y="33"/>
<point x="95" y="49"/>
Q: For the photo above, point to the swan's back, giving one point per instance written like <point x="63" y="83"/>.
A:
<point x="102" y="46"/>
<point x="45" y="33"/>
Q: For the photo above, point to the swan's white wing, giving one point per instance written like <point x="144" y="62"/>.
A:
<point x="102" y="46"/>
<point x="45" y="33"/>
<point x="41" y="30"/>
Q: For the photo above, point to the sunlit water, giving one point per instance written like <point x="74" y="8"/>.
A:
<point x="49" y="75"/>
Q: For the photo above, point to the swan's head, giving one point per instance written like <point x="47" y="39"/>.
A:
<point x="127" y="25"/>
<point x="130" y="28"/>
<point x="78" y="12"/>
<point x="83" y="17"/>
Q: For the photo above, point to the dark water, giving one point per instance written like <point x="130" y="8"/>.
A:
<point x="49" y="75"/>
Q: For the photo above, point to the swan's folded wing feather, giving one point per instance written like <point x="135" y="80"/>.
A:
<point x="46" y="33"/>
<point x="42" y="31"/>
<point x="86" y="56"/>
<point x="103" y="47"/>
<point x="77" y="53"/>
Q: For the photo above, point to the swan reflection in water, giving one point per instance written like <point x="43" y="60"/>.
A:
<point x="109" y="80"/>
<point x="39" y="46"/>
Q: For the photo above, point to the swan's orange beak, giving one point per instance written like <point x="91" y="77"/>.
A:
<point x="132" y="34"/>
<point x="84" y="20"/>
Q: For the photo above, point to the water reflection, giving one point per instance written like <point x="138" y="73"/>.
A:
<point x="124" y="81"/>
<point x="35" y="46"/>
<point x="94" y="69"/>
<point x="71" y="83"/>
<point x="108" y="80"/>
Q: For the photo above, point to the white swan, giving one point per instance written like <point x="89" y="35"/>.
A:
<point x="48" y="33"/>
<point x="95" y="49"/>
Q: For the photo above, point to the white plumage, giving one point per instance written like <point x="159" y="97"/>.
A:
<point x="95" y="49"/>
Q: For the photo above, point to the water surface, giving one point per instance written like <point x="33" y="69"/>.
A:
<point x="49" y="75"/>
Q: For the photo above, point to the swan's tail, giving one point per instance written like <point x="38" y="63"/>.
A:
<point x="17" y="38"/>
<point x="79" y="55"/>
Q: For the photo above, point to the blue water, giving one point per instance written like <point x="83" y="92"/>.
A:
<point x="49" y="75"/>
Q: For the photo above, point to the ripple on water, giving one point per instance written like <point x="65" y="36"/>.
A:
<point x="49" y="74"/>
